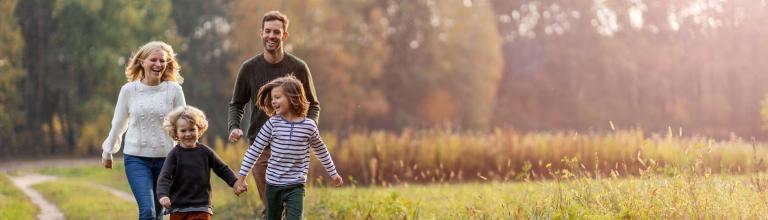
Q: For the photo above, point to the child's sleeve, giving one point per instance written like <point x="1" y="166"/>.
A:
<point x="221" y="168"/>
<point x="166" y="175"/>
<point x="254" y="151"/>
<point x="321" y="152"/>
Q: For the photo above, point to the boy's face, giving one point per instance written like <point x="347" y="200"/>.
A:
<point x="187" y="133"/>
<point x="280" y="102"/>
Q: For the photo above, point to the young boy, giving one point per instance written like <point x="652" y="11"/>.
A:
<point x="184" y="186"/>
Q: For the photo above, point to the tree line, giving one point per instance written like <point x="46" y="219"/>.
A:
<point x="468" y="65"/>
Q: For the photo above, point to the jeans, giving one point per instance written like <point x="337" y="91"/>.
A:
<point x="260" y="175"/>
<point x="142" y="173"/>
<point x="284" y="198"/>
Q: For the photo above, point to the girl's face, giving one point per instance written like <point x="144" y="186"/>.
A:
<point x="280" y="102"/>
<point x="187" y="133"/>
<point x="154" y="65"/>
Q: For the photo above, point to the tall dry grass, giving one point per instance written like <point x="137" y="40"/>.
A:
<point x="439" y="155"/>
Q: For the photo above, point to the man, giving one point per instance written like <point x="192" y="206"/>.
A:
<point x="273" y="63"/>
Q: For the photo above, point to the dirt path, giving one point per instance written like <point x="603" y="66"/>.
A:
<point x="47" y="209"/>
<point x="24" y="181"/>
<point x="36" y="164"/>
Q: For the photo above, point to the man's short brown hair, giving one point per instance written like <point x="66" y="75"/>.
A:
<point x="275" y="15"/>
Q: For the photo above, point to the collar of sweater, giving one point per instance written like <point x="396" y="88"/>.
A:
<point x="143" y="86"/>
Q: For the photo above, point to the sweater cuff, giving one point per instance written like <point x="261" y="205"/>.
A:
<point x="106" y="156"/>
<point x="233" y="127"/>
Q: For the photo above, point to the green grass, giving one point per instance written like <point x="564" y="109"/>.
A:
<point x="96" y="174"/>
<point x="722" y="197"/>
<point x="510" y="175"/>
<point x="77" y="200"/>
<point x="654" y="195"/>
<point x="13" y="203"/>
<point x="226" y="204"/>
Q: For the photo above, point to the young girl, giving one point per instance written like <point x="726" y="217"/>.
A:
<point x="184" y="186"/>
<point x="290" y="134"/>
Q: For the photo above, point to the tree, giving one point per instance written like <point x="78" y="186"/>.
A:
<point x="11" y="74"/>
<point x="35" y="19"/>
<point x="74" y="53"/>
<point x="205" y="54"/>
<point x="443" y="61"/>
<point x="344" y="45"/>
<point x="649" y="64"/>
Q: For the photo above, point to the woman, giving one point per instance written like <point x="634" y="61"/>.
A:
<point x="152" y="91"/>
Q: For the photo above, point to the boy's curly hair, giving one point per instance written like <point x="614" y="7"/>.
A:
<point x="293" y="89"/>
<point x="193" y="115"/>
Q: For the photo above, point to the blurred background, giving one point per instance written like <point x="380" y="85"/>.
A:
<point x="693" y="66"/>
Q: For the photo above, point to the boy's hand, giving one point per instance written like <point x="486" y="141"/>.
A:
<point x="337" y="181"/>
<point x="166" y="202"/>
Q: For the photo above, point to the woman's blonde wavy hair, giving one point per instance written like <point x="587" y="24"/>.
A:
<point x="134" y="71"/>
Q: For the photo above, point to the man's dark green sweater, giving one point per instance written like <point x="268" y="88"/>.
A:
<point x="256" y="72"/>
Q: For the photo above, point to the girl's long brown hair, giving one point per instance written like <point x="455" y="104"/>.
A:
<point x="292" y="88"/>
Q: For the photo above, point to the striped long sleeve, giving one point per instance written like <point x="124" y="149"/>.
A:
<point x="290" y="144"/>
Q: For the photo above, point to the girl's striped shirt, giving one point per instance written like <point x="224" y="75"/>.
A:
<point x="289" y="143"/>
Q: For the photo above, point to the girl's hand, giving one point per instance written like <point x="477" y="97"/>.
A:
<point x="106" y="163"/>
<point x="337" y="181"/>
<point x="166" y="202"/>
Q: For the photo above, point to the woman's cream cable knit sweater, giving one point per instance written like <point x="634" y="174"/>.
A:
<point x="140" y="109"/>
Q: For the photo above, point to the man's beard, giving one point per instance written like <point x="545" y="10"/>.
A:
<point x="274" y="49"/>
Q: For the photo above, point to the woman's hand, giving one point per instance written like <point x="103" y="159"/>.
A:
<point x="107" y="163"/>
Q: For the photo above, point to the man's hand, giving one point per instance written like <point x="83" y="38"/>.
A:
<point x="235" y="135"/>
<point x="107" y="163"/>
<point x="337" y="181"/>
<point x="166" y="202"/>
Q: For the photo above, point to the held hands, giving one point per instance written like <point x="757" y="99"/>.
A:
<point x="240" y="186"/>
<point x="235" y="135"/>
<point x="337" y="181"/>
<point x="166" y="202"/>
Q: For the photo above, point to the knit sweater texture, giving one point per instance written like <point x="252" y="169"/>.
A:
<point x="140" y="109"/>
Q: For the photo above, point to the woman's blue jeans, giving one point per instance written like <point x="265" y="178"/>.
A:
<point x="142" y="173"/>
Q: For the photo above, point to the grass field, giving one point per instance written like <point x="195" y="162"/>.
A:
<point x="712" y="196"/>
<point x="502" y="175"/>
<point x="78" y="200"/>
<point x="439" y="156"/>
<point x="13" y="203"/>
<point x="652" y="195"/>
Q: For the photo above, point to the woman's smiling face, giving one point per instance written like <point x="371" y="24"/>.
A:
<point x="154" y="65"/>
